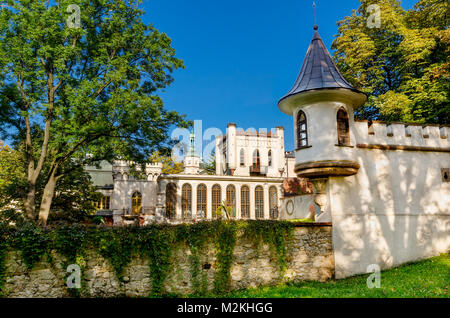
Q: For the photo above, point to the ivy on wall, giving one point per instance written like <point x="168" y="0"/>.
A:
<point x="118" y="245"/>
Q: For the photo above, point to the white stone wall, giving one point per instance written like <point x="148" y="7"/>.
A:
<point x="395" y="210"/>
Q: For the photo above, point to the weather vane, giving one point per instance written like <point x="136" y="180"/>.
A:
<point x="314" y="8"/>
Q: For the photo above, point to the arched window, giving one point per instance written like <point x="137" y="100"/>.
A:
<point x="186" y="201"/>
<point x="343" y="128"/>
<point x="273" y="202"/>
<point x="136" y="203"/>
<point x="259" y="202"/>
<point x="245" y="202"/>
<point x="171" y="201"/>
<point x="242" y="157"/>
<point x="201" y="201"/>
<point x="302" y="130"/>
<point x="216" y="197"/>
<point x="256" y="161"/>
<point x="270" y="158"/>
<point x="231" y="199"/>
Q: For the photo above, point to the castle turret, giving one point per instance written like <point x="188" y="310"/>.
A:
<point x="322" y="103"/>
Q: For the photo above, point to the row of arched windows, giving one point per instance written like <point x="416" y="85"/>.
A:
<point x="216" y="197"/>
<point x="256" y="159"/>
<point x="343" y="129"/>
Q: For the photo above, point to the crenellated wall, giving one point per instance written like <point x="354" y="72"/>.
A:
<point x="396" y="209"/>
<point x="400" y="134"/>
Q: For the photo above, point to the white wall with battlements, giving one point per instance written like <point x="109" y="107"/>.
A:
<point x="396" y="209"/>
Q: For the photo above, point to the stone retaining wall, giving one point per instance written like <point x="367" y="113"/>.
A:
<point x="311" y="258"/>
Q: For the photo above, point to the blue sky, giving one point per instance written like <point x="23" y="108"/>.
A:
<point x="242" y="56"/>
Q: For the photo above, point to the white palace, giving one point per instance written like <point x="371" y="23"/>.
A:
<point x="384" y="186"/>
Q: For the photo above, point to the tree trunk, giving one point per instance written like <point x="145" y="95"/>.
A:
<point x="47" y="198"/>
<point x="28" y="202"/>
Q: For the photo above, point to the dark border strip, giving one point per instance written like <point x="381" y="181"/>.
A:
<point x="404" y="148"/>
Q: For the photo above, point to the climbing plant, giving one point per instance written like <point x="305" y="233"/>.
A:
<point x="276" y="234"/>
<point x="157" y="243"/>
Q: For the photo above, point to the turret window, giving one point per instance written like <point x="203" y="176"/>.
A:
<point x="343" y="128"/>
<point x="242" y="157"/>
<point x="302" y="130"/>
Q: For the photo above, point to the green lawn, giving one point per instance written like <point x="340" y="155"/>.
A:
<point x="429" y="278"/>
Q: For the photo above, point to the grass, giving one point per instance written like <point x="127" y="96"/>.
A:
<point x="428" y="278"/>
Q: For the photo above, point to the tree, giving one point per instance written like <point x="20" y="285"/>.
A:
<point x="12" y="175"/>
<point x="169" y="165"/>
<point x="210" y="164"/>
<point x="403" y="65"/>
<point x="91" y="89"/>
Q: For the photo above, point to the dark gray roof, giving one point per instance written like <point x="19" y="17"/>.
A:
<point x="318" y="70"/>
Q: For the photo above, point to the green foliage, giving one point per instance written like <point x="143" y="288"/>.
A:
<point x="210" y="164"/>
<point x="157" y="243"/>
<point x="276" y="234"/>
<point x="32" y="241"/>
<point x="118" y="245"/>
<point x="169" y="166"/>
<point x="404" y="65"/>
<point x="12" y="175"/>
<point x="425" y="279"/>
<point x="90" y="91"/>
<point x="224" y="243"/>
<point x="3" y="250"/>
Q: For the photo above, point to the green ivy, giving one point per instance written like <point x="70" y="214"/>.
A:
<point x="118" y="245"/>
<point x="3" y="250"/>
<point x="224" y="243"/>
<point x="33" y="243"/>
<point x="157" y="243"/>
<point x="71" y="242"/>
<point x="197" y="236"/>
<point x="276" y="234"/>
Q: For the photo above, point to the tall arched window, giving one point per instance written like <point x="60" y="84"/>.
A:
<point x="245" y="202"/>
<point x="171" y="201"/>
<point x="201" y="201"/>
<point x="216" y="197"/>
<point x="136" y="203"/>
<point x="343" y="128"/>
<point x="256" y="161"/>
<point x="186" y="201"/>
<point x="259" y="202"/>
<point x="242" y="157"/>
<point x="231" y="199"/>
<point x="270" y="158"/>
<point x="273" y="202"/>
<point x="302" y="130"/>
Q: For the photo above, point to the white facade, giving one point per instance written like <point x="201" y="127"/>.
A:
<point x="150" y="189"/>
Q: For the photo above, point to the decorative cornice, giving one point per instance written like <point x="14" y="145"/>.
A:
<point x="326" y="168"/>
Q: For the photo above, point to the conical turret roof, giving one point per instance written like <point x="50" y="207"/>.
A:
<point x="318" y="70"/>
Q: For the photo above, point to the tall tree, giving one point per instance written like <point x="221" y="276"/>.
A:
<point x="87" y="73"/>
<point x="403" y="65"/>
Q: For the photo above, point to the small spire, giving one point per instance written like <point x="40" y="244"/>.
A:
<point x="315" y="22"/>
